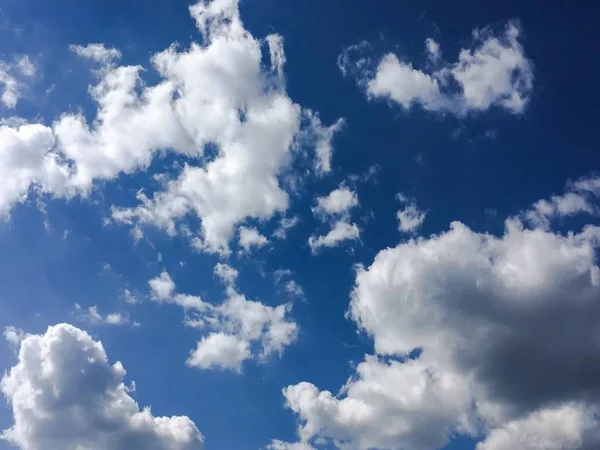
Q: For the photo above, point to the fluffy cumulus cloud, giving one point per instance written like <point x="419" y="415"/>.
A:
<point x="217" y="95"/>
<point x="65" y="394"/>
<point x="500" y="338"/>
<point x="238" y="329"/>
<point x="335" y="209"/>
<point x="494" y="71"/>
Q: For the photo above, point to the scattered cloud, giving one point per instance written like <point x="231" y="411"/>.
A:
<point x="338" y="202"/>
<point x="239" y="329"/>
<point x="91" y="315"/>
<point x="285" y="225"/>
<point x="290" y="286"/>
<point x="14" y="336"/>
<point x="335" y="208"/>
<point x="129" y="297"/>
<point x="578" y="199"/>
<point x="65" y="394"/>
<point x="26" y="67"/>
<point x="250" y="237"/>
<point x="96" y="52"/>
<point x="493" y="72"/>
<point x="341" y="231"/>
<point x="323" y="136"/>
<point x="410" y="217"/>
<point x="10" y="86"/>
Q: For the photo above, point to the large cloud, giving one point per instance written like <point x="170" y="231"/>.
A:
<point x="217" y="95"/>
<point x="494" y="72"/>
<point x="65" y="394"/>
<point x="502" y="335"/>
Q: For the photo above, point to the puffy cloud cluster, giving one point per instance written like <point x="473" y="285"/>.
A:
<point x="335" y="208"/>
<point x="496" y="336"/>
<point x="218" y="95"/>
<point x="239" y="329"/>
<point x="65" y="394"/>
<point x="493" y="72"/>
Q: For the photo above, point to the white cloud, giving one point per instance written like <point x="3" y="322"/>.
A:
<point x="226" y="273"/>
<point x="410" y="217"/>
<point x="433" y="49"/>
<point x="323" y="135"/>
<point x="162" y="286"/>
<point x="220" y="350"/>
<point x="504" y="335"/>
<point x="11" y="89"/>
<point x="129" y="297"/>
<point x="579" y="199"/>
<point x="338" y="202"/>
<point x="14" y="336"/>
<point x="341" y="231"/>
<point x="240" y="329"/>
<point x="250" y="237"/>
<point x="293" y="288"/>
<point x="494" y="72"/>
<point x="116" y="319"/>
<point x="289" y="285"/>
<point x="26" y="67"/>
<point x="96" y="52"/>
<point x="386" y="405"/>
<point x="285" y="224"/>
<point x="568" y="427"/>
<point x="216" y="94"/>
<point x="587" y="184"/>
<point x="92" y="315"/>
<point x="65" y="394"/>
<point x="162" y="289"/>
<point x="335" y="208"/>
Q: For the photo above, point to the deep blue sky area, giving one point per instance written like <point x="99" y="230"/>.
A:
<point x="477" y="169"/>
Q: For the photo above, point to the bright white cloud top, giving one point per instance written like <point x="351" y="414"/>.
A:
<point x="65" y="394"/>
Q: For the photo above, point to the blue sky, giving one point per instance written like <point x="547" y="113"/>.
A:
<point x="299" y="225"/>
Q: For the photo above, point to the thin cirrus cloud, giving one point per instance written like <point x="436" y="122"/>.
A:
<point x="485" y="317"/>
<point x="493" y="72"/>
